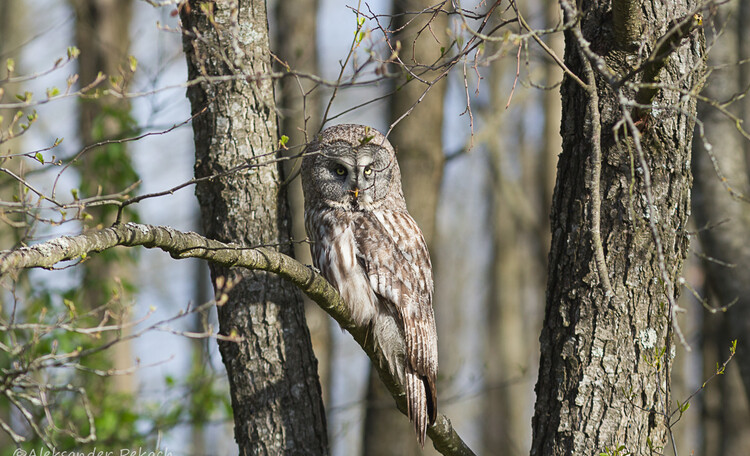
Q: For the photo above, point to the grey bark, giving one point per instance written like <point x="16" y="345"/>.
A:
<point x="418" y="142"/>
<point x="604" y="365"/>
<point x="276" y="395"/>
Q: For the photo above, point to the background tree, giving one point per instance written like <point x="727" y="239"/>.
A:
<point x="299" y="106"/>
<point x="722" y="219"/>
<point x="418" y="36"/>
<point x="101" y="35"/>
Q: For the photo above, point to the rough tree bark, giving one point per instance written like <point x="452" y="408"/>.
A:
<point x="603" y="375"/>
<point x="419" y="147"/>
<point x="276" y="395"/>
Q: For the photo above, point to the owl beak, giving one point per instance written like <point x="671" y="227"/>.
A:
<point x="356" y="193"/>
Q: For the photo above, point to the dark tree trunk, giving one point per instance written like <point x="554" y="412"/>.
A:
<point x="272" y="371"/>
<point x="419" y="147"/>
<point x="604" y="367"/>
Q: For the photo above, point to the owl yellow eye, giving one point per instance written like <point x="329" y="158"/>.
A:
<point x="368" y="171"/>
<point x="340" y="170"/>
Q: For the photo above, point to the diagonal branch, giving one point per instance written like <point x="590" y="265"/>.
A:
<point x="192" y="245"/>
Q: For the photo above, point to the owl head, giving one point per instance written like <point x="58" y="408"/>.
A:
<point x="351" y="167"/>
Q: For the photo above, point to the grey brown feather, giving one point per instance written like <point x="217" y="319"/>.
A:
<point x="368" y="246"/>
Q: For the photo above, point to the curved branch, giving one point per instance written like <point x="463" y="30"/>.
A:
<point x="192" y="245"/>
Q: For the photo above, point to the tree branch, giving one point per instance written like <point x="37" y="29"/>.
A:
<point x="192" y="245"/>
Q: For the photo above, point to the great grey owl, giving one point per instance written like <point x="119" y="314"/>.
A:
<point x="368" y="246"/>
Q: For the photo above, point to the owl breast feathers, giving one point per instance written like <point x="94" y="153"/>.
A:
<point x="368" y="246"/>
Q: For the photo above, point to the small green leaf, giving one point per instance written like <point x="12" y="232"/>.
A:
<point x="133" y="63"/>
<point x="74" y="192"/>
<point x="283" y="141"/>
<point x="39" y="157"/>
<point x="57" y="142"/>
<point x="360" y="21"/>
<point x="10" y="65"/>
<point x="73" y="52"/>
<point x="685" y="406"/>
<point x="32" y="117"/>
<point x="53" y="92"/>
<point x="26" y="97"/>
<point x="71" y="306"/>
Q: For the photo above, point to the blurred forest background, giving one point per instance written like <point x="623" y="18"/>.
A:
<point x="486" y="140"/>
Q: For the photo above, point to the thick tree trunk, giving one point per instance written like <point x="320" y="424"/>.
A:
<point x="419" y="147"/>
<point x="272" y="371"/>
<point x="604" y="367"/>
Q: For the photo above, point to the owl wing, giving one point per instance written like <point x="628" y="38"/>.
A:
<point x="393" y="252"/>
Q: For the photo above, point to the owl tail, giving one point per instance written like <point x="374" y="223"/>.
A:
<point x="421" y="400"/>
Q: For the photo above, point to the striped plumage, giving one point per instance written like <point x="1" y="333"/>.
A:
<point x="368" y="246"/>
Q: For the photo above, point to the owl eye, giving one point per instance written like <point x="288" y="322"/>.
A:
<point x="340" y="170"/>
<point x="368" y="171"/>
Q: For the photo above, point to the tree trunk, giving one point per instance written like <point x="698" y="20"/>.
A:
<point x="102" y="34"/>
<point x="727" y="219"/>
<point x="723" y="224"/>
<point x="13" y="33"/>
<point x="604" y="365"/>
<point x="272" y="371"/>
<point x="299" y="105"/>
<point x="419" y="147"/>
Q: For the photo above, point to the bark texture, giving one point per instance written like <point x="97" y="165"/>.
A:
<point x="603" y="375"/>
<point x="276" y="394"/>
<point x="419" y="147"/>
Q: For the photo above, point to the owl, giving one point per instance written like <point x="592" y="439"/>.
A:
<point x="367" y="245"/>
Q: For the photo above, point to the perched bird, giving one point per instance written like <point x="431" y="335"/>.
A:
<point x="367" y="245"/>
